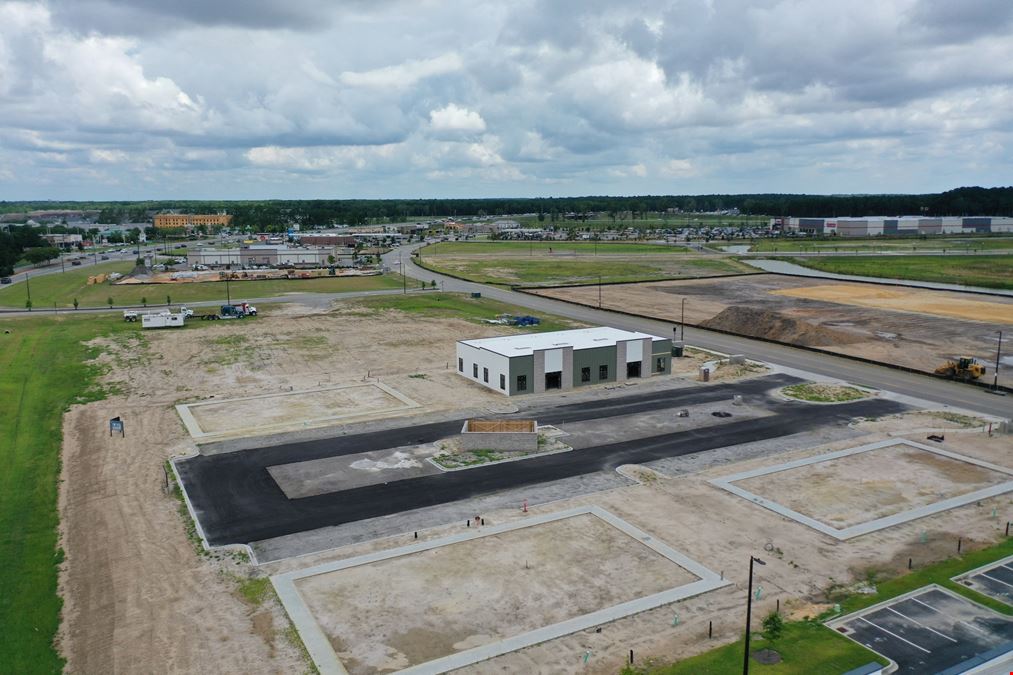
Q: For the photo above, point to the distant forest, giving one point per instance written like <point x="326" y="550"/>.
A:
<point x="276" y="214"/>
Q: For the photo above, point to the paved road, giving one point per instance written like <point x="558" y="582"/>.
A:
<point x="237" y="501"/>
<point x="910" y="384"/>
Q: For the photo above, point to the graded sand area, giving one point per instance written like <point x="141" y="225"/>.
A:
<point x="916" y="328"/>
<point x="412" y="609"/>
<point x="138" y="597"/>
<point x="303" y="408"/>
<point x="862" y="487"/>
<point x="907" y="300"/>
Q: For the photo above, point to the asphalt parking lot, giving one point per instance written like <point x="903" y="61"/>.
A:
<point x="237" y="500"/>
<point x="995" y="581"/>
<point x="930" y="630"/>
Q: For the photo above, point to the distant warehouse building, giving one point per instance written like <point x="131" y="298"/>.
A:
<point x="191" y="220"/>
<point x="870" y="226"/>
<point x="538" y="362"/>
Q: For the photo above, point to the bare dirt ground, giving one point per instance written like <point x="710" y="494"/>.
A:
<point x="858" y="488"/>
<point x="955" y="305"/>
<point x="408" y="610"/>
<point x="721" y="530"/>
<point x="912" y="327"/>
<point x="238" y="416"/>
<point x="138" y="597"/>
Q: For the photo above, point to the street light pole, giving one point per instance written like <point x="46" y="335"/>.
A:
<point x="404" y="277"/>
<point x="749" y="609"/>
<point x="998" y="353"/>
<point x="599" y="291"/>
<point x="228" y="292"/>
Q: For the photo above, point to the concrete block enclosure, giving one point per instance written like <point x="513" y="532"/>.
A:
<point x="538" y="362"/>
<point x="499" y="435"/>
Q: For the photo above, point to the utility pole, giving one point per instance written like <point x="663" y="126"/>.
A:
<point x="28" y="289"/>
<point x="228" y="293"/>
<point x="599" y="291"/>
<point x="682" y="322"/>
<point x="998" y="353"/>
<point x="404" y="275"/>
<point x="749" y="609"/>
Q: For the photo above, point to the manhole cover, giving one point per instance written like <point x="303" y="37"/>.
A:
<point x="767" y="656"/>
<point x="721" y="413"/>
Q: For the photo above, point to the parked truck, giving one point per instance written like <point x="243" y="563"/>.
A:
<point x="231" y="312"/>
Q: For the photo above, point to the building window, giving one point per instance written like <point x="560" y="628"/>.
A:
<point x="474" y="370"/>
<point x="502" y="381"/>
<point x="660" y="365"/>
<point x="522" y="383"/>
<point x="585" y="374"/>
<point x="460" y="365"/>
<point x="603" y="372"/>
<point x="485" y="374"/>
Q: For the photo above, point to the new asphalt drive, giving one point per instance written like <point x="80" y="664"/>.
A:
<point x="237" y="500"/>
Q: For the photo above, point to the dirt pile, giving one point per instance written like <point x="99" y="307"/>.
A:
<point x="776" y="326"/>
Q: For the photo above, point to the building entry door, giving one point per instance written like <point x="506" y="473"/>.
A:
<point x="633" y="369"/>
<point x="554" y="380"/>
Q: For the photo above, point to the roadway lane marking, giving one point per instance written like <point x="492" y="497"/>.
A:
<point x="862" y="618"/>
<point x="919" y="623"/>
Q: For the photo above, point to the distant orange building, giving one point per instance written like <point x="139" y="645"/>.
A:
<point x="191" y="220"/>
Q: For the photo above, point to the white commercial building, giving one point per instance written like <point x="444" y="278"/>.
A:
<point x="537" y="362"/>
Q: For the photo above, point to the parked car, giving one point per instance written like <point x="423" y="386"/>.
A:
<point x="104" y="257"/>
<point x="76" y="263"/>
<point x="5" y="280"/>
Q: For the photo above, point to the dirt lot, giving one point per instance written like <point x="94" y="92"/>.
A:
<point x="317" y="406"/>
<point x="139" y="598"/>
<point x="137" y="595"/>
<point x="413" y="609"/>
<point x="911" y="327"/>
<point x="721" y="530"/>
<point x="858" y="488"/>
<point x="907" y="300"/>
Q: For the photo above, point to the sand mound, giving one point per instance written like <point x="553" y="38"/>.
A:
<point x="776" y="326"/>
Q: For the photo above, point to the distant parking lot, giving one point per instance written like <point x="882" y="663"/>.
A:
<point x="931" y="630"/>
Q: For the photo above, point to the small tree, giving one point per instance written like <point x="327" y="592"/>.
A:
<point x="75" y="303"/>
<point x="432" y="284"/>
<point x="144" y="301"/>
<point x="773" y="627"/>
<point x="168" y="300"/>
<point x="331" y="260"/>
<point x="28" y="305"/>
<point x="110" y="301"/>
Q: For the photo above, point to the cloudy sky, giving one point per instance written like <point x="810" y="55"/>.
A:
<point x="131" y="99"/>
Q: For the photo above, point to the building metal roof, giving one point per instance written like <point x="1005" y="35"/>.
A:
<point x="580" y="338"/>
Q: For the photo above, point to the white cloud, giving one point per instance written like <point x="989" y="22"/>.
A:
<point x="454" y="119"/>
<point x="404" y="74"/>
<point x="678" y="168"/>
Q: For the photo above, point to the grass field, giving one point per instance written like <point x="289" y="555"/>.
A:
<point x="976" y="270"/>
<point x="542" y="270"/>
<point x="884" y="244"/>
<point x="41" y="374"/>
<point x="805" y="647"/>
<point x="62" y="288"/>
<point x="542" y="248"/>
<point x="456" y="306"/>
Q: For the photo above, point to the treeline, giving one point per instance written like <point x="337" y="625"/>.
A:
<point x="278" y="214"/>
<point x="14" y="241"/>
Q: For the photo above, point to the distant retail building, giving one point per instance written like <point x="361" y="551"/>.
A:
<point x="903" y="225"/>
<point x="271" y="256"/>
<point x="191" y="220"/>
<point x="537" y="362"/>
